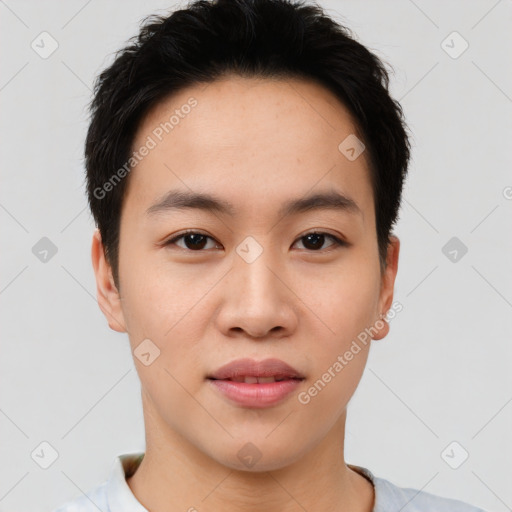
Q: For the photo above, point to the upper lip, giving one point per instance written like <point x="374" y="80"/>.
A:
<point x="250" y="367"/>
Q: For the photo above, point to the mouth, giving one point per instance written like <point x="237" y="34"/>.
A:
<point x="251" y="384"/>
<point x="251" y="371"/>
<point x="251" y="379"/>
<point x="255" y="395"/>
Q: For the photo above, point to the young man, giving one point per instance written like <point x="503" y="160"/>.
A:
<point x="245" y="164"/>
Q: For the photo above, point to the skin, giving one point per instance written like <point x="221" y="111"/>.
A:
<point x="256" y="143"/>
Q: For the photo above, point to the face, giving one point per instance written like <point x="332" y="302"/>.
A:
<point x="267" y="273"/>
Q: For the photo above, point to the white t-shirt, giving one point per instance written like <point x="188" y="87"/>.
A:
<point x="114" y="495"/>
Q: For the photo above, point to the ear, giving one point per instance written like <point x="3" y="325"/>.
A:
<point x="388" y="285"/>
<point x="108" y="296"/>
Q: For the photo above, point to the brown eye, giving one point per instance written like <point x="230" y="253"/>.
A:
<point x="192" y="240"/>
<point x="315" y="240"/>
<point x="196" y="241"/>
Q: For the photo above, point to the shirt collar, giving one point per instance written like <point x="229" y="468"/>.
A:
<point x="119" y="495"/>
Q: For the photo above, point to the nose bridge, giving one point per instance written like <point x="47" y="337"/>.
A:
<point x="252" y="267"/>
<point x="256" y="299"/>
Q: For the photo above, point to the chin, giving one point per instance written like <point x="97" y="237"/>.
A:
<point x="258" y="456"/>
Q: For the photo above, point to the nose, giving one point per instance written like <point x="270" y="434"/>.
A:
<point x="257" y="300"/>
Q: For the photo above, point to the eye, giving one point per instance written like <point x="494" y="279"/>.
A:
<point x="315" y="240"/>
<point x="193" y="240"/>
<point x="196" y="241"/>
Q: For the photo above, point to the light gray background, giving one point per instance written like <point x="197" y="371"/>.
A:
<point x="443" y="373"/>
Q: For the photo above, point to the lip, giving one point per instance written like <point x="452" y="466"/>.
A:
<point x="256" y="395"/>
<point x="252" y="368"/>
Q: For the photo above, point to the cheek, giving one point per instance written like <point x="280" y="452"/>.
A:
<point x="340" y="354"/>
<point x="331" y="387"/>
<point x="163" y="307"/>
<point x="166" y="316"/>
<point x="154" y="298"/>
<point x="338" y="359"/>
<point x="343" y="300"/>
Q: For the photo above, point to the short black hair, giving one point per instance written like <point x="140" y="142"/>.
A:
<point x="251" y="38"/>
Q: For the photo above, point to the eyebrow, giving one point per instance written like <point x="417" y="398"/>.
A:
<point x="181" y="200"/>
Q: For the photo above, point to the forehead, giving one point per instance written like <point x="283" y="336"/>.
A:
<point x="251" y="140"/>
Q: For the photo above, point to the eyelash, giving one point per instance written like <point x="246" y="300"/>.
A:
<point x="337" y="241"/>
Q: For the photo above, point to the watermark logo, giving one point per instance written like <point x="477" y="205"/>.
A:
<point x="455" y="455"/>
<point x="44" y="45"/>
<point x="44" y="250"/>
<point x="44" y="455"/>
<point x="351" y="147"/>
<point x="146" y="352"/>
<point x="249" y="454"/>
<point x="150" y="143"/>
<point x="249" y="250"/>
<point x="454" y="45"/>
<point x="454" y="249"/>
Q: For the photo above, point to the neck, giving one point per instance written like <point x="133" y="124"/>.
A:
<point x="175" y="475"/>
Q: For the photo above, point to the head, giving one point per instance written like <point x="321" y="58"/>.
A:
<point x="283" y="155"/>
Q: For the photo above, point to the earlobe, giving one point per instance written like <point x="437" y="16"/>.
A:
<point x="387" y="286"/>
<point x="107" y="294"/>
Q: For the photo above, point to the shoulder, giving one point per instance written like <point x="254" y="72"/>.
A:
<point x="92" y="501"/>
<point x="112" y="495"/>
<point x="389" y="496"/>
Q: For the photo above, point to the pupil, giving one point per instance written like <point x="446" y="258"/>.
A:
<point x="198" y="241"/>
<point x="316" y="237"/>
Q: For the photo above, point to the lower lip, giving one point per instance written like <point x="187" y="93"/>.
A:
<point x="256" y="395"/>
